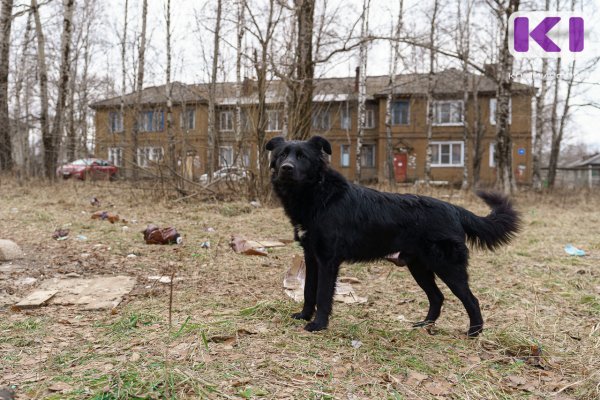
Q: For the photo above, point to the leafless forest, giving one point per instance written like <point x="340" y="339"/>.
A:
<point x="57" y="57"/>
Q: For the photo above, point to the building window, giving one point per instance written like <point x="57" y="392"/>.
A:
<point x="345" y="155"/>
<point x="245" y="158"/>
<point x="226" y="120"/>
<point x="369" y="119"/>
<point x="247" y="123"/>
<point x="188" y="119"/>
<point x="273" y="120"/>
<point x="448" y="112"/>
<point x="400" y="112"/>
<point x="492" y="155"/>
<point x="145" y="155"/>
<point x="115" y="156"/>
<point x="152" y="121"/>
<point x="367" y="156"/>
<point x="225" y="156"/>
<point x="346" y="118"/>
<point x="115" y="119"/>
<point x="321" y="120"/>
<point x="493" y="106"/>
<point x="447" y="154"/>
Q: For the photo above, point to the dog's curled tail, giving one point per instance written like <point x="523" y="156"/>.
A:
<point x="497" y="228"/>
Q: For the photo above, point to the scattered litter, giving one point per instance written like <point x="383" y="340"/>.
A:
<point x="61" y="234"/>
<point x="255" y="204"/>
<point x="356" y="344"/>
<point x="26" y="281"/>
<point x="95" y="202"/>
<point x="81" y="237"/>
<point x="349" y="279"/>
<point x="210" y="229"/>
<point x="205" y="245"/>
<point x="9" y="250"/>
<point x="252" y="247"/>
<point x="131" y="255"/>
<point x="14" y="210"/>
<point x="90" y="294"/>
<point x="125" y="228"/>
<point x="574" y="251"/>
<point x="293" y="284"/>
<point x="396" y="259"/>
<point x="36" y="299"/>
<point x="163" y="279"/>
<point x="72" y="275"/>
<point x="155" y="235"/>
<point x="106" y="216"/>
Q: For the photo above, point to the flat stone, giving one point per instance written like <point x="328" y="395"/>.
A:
<point x="36" y="299"/>
<point x="9" y="250"/>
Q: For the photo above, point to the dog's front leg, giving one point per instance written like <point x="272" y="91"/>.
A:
<point x="327" y="271"/>
<point x="310" y="288"/>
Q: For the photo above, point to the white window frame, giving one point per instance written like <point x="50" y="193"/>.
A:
<point x="369" y="119"/>
<point x="271" y="121"/>
<point x="345" y="151"/>
<point x="492" y="150"/>
<point x="115" y="156"/>
<point x="346" y="118"/>
<point x="119" y="121"/>
<point x="362" y="153"/>
<point x="155" y="124"/>
<point x="226" y="121"/>
<point x="148" y="154"/>
<point x="493" y="105"/>
<point x="436" y="112"/>
<point x="321" y="120"/>
<point x="225" y="161"/>
<point x="184" y="121"/>
<point x="438" y="164"/>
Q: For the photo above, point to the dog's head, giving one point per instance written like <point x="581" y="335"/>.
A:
<point x="298" y="161"/>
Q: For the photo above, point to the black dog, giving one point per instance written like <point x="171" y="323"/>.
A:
<point x="338" y="221"/>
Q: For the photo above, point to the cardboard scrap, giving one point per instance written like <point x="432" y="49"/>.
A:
<point x="35" y="299"/>
<point x="9" y="250"/>
<point x="295" y="276"/>
<point x="90" y="294"/>
<point x="253" y="247"/>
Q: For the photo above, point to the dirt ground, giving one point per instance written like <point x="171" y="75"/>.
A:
<point x="231" y="335"/>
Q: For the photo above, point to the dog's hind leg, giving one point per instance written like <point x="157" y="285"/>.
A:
<point x="426" y="280"/>
<point x="456" y="278"/>
<point x="310" y="288"/>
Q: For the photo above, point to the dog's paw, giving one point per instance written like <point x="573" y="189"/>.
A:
<point x="423" y="324"/>
<point x="315" y="326"/>
<point x="474" y="331"/>
<point x="301" y="315"/>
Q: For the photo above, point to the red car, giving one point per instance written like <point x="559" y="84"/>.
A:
<point x="88" y="168"/>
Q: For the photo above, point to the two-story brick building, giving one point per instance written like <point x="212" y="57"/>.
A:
<point x="334" y="116"/>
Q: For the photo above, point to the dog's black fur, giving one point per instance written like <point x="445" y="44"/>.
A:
<point x="338" y="221"/>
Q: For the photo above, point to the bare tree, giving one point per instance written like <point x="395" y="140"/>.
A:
<point x="505" y="180"/>
<point x="6" y="160"/>
<point x="124" y="66"/>
<point x="478" y="132"/>
<point x="430" y="89"/>
<point x="463" y="50"/>
<point x="390" y="97"/>
<point x="47" y="140"/>
<point x="240" y="29"/>
<point x="169" y="93"/>
<point x="362" y="87"/>
<point x="212" y="96"/>
<point x="63" y="84"/>
<point x="139" y="89"/>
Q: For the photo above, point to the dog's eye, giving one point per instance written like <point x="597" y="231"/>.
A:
<point x="282" y="155"/>
<point x="299" y="156"/>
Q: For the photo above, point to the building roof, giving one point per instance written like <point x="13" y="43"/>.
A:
<point x="446" y="82"/>
<point x="585" y="162"/>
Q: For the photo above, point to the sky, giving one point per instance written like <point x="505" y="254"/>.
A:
<point x="192" y="41"/>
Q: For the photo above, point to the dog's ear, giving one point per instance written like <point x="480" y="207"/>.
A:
<point x="276" y="141"/>
<point x="320" y="143"/>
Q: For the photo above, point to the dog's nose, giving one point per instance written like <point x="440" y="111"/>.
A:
<point x="287" y="167"/>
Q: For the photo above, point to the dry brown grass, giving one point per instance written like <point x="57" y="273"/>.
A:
<point x="232" y="336"/>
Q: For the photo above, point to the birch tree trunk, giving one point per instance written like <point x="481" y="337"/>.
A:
<point x="169" y="89"/>
<point x="430" y="89"/>
<point x="505" y="180"/>
<point x="391" y="176"/>
<point x="362" y="88"/>
<point x="63" y="84"/>
<point x="300" y="125"/>
<point x="478" y="133"/>
<point x="48" y="143"/>
<point x="464" y="47"/>
<point x="124" y="69"/>
<point x="21" y="144"/>
<point x="240" y="28"/>
<point x="139" y="89"/>
<point x="6" y="161"/>
<point x="212" y="117"/>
